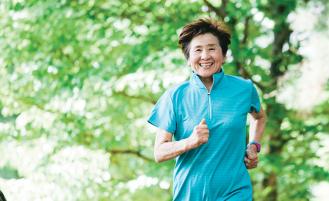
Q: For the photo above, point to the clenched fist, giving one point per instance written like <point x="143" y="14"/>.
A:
<point x="200" y="134"/>
<point x="251" y="157"/>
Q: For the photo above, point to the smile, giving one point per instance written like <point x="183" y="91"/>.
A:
<point x="206" y="65"/>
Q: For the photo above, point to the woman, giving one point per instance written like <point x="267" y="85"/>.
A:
<point x="207" y="117"/>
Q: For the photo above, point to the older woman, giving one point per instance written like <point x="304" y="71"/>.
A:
<point x="207" y="118"/>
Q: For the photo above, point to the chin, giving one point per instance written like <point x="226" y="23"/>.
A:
<point x="205" y="74"/>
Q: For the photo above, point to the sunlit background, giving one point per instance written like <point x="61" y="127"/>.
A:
<point x="78" y="79"/>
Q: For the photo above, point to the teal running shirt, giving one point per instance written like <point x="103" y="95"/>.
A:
<point x="214" y="171"/>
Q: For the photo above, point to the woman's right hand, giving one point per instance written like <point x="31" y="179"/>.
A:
<point x="200" y="134"/>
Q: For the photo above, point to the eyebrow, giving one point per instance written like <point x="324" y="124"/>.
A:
<point x="208" y="45"/>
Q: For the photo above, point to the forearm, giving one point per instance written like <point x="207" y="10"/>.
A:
<point x="166" y="149"/>
<point x="169" y="150"/>
<point x="256" y="129"/>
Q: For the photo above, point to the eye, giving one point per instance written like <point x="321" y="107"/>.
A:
<point x="197" y="50"/>
<point x="212" y="48"/>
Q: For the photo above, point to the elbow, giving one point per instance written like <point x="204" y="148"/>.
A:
<point x="158" y="158"/>
<point x="264" y="117"/>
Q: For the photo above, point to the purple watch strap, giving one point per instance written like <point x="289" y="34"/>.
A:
<point x="258" y="146"/>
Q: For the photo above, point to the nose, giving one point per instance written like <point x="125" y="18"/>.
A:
<point x="205" y="54"/>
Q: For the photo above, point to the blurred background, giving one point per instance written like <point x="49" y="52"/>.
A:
<point x="78" y="79"/>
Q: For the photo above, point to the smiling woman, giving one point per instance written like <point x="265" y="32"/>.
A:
<point x="205" y="44"/>
<point x="206" y="57"/>
<point x="207" y="117"/>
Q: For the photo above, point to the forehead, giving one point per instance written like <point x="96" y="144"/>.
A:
<point x="207" y="39"/>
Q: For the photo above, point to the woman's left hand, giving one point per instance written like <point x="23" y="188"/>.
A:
<point x="251" y="157"/>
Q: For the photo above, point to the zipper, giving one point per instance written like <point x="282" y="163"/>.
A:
<point x="210" y="107"/>
<point x="209" y="100"/>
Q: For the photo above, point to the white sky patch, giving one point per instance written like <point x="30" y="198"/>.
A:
<point x="164" y="185"/>
<point x="25" y="156"/>
<point x="121" y="24"/>
<point x="204" y="8"/>
<point x="323" y="151"/>
<point x="258" y="16"/>
<point x="308" y="89"/>
<point x="131" y="40"/>
<point x="71" y="169"/>
<point x="114" y="43"/>
<point x="38" y="118"/>
<point x="153" y="78"/>
<point x="19" y="15"/>
<point x="264" y="41"/>
<point x="67" y="102"/>
<point x="141" y="182"/>
<point x="267" y="23"/>
<point x="257" y="78"/>
<point x="142" y="29"/>
<point x="52" y="70"/>
<point x="320" y="191"/>
<point x="263" y="63"/>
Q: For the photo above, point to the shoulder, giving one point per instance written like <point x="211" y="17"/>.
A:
<point x="178" y="89"/>
<point x="237" y="81"/>
<point x="175" y="93"/>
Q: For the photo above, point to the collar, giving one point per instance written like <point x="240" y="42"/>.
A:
<point x="217" y="77"/>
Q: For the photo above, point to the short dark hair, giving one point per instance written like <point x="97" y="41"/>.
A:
<point x="203" y="26"/>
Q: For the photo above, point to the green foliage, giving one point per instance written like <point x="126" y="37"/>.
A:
<point x="88" y="72"/>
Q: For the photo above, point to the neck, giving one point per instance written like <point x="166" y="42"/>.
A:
<point x="207" y="81"/>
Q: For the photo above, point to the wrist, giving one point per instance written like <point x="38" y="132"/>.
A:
<point x="255" y="145"/>
<point x="191" y="143"/>
<point x="188" y="144"/>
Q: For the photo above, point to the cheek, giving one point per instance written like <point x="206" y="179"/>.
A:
<point x="192" y="61"/>
<point x="219" y="59"/>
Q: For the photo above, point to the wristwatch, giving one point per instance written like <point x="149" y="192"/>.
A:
<point x="258" y="146"/>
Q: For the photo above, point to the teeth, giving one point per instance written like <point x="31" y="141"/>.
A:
<point x="206" y="65"/>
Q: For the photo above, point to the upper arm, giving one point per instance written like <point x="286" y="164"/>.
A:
<point x="163" y="115"/>
<point x="162" y="136"/>
<point x="255" y="105"/>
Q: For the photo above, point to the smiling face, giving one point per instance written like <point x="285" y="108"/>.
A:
<point x="205" y="55"/>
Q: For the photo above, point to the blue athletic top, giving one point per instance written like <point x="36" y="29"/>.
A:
<point x="214" y="171"/>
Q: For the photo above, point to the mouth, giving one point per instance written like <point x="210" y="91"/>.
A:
<point x="206" y="65"/>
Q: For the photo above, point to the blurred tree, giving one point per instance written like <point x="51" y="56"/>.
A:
<point x="91" y="71"/>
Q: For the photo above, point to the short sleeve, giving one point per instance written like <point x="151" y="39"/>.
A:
<point x="255" y="102"/>
<point x="163" y="114"/>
